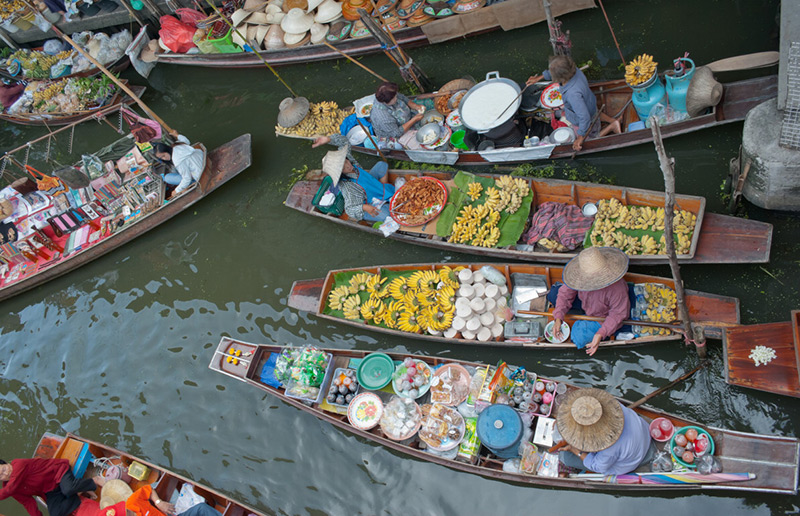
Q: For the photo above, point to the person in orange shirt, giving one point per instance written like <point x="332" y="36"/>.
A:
<point x="146" y="502"/>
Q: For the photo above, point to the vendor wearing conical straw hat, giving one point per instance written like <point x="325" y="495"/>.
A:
<point x="602" y="435"/>
<point x="595" y="277"/>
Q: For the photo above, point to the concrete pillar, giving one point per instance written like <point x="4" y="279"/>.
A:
<point x="773" y="181"/>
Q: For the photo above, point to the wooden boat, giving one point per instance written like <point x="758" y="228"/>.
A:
<point x="56" y="119"/>
<point x="516" y="14"/>
<point x="781" y="374"/>
<point x="718" y="239"/>
<point x="165" y="482"/>
<point x="224" y="163"/>
<point x="118" y="66"/>
<point x="773" y="460"/>
<point x="737" y="99"/>
<point x="710" y="311"/>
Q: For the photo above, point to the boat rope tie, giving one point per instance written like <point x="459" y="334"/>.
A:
<point x="3" y="166"/>
<point x="406" y="67"/>
<point x="385" y="47"/>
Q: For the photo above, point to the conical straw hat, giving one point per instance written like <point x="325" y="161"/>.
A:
<point x="258" y="18"/>
<point x="113" y="492"/>
<point x="590" y="419"/>
<point x="288" y="5"/>
<point x="703" y="92"/>
<point x="250" y="34"/>
<point x="274" y="15"/>
<point x="296" y="21"/>
<point x="333" y="163"/>
<point x="238" y="17"/>
<point x="292" y="110"/>
<point x="318" y="32"/>
<point x="274" y="38"/>
<point x="313" y="4"/>
<point x="595" y="268"/>
<point x="296" y="40"/>
<point x="254" y="5"/>
<point x="261" y="32"/>
<point x="328" y="11"/>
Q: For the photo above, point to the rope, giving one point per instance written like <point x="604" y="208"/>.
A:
<point x="47" y="152"/>
<point x="406" y="67"/>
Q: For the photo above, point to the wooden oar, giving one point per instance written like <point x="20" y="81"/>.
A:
<point x="353" y="60"/>
<point x="601" y="319"/>
<point x="745" y="62"/>
<point x="669" y="386"/>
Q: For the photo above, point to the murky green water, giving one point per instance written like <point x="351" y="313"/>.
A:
<point x="118" y="350"/>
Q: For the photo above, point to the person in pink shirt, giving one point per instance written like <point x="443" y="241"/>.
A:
<point x="595" y="277"/>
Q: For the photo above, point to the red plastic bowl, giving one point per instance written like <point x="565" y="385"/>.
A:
<point x="401" y="219"/>
<point x="656" y="422"/>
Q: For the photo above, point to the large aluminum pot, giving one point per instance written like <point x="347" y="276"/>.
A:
<point x="486" y="105"/>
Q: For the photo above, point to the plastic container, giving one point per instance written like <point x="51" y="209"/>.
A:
<point x="457" y="140"/>
<point x="365" y="411"/>
<point x="375" y="371"/>
<point x="321" y="394"/>
<point x="677" y="86"/>
<point x="683" y="430"/>
<point x="656" y="423"/>
<point x="500" y="430"/>
<point x="648" y="94"/>
<point x="335" y="209"/>
<point x="225" y="44"/>
<point x="329" y="381"/>
<point x="138" y="471"/>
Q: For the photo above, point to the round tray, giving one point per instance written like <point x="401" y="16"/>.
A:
<point x="401" y="219"/>
<point x="465" y="381"/>
<point x="365" y="411"/>
<point x="454" y="120"/>
<point x="397" y="399"/>
<point x="683" y="430"/>
<point x="422" y="390"/>
<point x="655" y="422"/>
<point x="548" y="332"/>
<point x="375" y="371"/>
<point x="549" y="99"/>
<point x="451" y="444"/>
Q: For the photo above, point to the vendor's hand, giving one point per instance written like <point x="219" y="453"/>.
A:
<point x="591" y="348"/>
<point x="533" y="79"/>
<point x="322" y="140"/>
<point x="174" y="134"/>
<point x="416" y="118"/>
<point x="578" y="144"/>
<point x="372" y="210"/>
<point x="557" y="333"/>
<point x="165" y="507"/>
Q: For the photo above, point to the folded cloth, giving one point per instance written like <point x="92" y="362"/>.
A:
<point x="563" y="223"/>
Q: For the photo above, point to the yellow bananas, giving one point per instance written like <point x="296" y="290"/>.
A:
<point x="474" y="191"/>
<point x="337" y="296"/>
<point x="640" y="70"/>
<point x="323" y="119"/>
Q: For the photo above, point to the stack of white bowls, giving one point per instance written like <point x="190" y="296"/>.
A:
<point x="479" y="305"/>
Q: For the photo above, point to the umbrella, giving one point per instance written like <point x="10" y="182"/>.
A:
<point x="670" y="478"/>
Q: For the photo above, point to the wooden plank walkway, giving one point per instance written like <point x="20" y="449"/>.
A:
<point x="779" y="376"/>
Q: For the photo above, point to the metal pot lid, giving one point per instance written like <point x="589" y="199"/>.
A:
<point x="486" y="105"/>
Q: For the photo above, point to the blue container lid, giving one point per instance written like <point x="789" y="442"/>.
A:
<point x="499" y="427"/>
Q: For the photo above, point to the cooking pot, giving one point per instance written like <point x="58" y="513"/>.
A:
<point x="490" y="103"/>
<point x="431" y="116"/>
<point x="429" y="133"/>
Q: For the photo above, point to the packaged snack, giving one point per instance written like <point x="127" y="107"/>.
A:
<point x="470" y="446"/>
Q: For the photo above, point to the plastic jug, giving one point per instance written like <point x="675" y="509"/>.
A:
<point x="647" y="95"/>
<point x="677" y="85"/>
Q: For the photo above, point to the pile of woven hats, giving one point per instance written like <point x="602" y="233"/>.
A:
<point x="275" y="24"/>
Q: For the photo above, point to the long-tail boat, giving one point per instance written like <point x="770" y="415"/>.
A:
<point x="712" y="312"/>
<point x="716" y="239"/>
<point x="765" y="463"/>
<point x="165" y="482"/>
<point x="738" y="98"/>
<point x="765" y="357"/>
<point x="222" y="164"/>
<point x="57" y="119"/>
<point x="508" y="15"/>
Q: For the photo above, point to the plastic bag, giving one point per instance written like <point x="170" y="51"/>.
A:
<point x="708" y="464"/>
<point x="665" y="115"/>
<point x="187" y="499"/>
<point x="176" y="35"/>
<point x="661" y="463"/>
<point x="92" y="165"/>
<point x="202" y="42"/>
<point x="190" y="16"/>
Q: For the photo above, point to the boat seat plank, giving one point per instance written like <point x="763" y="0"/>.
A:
<point x="776" y="451"/>
<point x="779" y="376"/>
<point x="751" y="240"/>
<point x="301" y="194"/>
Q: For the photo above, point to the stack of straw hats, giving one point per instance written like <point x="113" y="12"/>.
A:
<point x="275" y="24"/>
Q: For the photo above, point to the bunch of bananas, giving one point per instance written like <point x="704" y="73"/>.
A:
<point x="471" y="228"/>
<point x="511" y="193"/>
<point x="36" y="64"/>
<point x="683" y="222"/>
<point x="474" y="190"/>
<point x="46" y="92"/>
<point x="551" y="245"/>
<point x="9" y="7"/>
<point x="422" y="300"/>
<point x="662" y="303"/>
<point x="323" y="119"/>
<point x="640" y="70"/>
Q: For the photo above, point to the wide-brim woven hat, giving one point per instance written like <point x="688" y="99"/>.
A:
<point x="259" y="18"/>
<point x="590" y="419"/>
<point x="113" y="492"/>
<point x="148" y="54"/>
<point x="296" y="40"/>
<point x="313" y="4"/>
<point x="297" y="21"/>
<point x="261" y="32"/>
<point x="292" y="111"/>
<point x="318" y="32"/>
<point x="704" y="91"/>
<point x="254" y="5"/>
<point x="333" y="163"/>
<point x="467" y="6"/>
<point x="595" y="268"/>
<point x="328" y="11"/>
<point x="239" y="16"/>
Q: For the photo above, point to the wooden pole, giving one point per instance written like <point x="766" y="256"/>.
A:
<point x="110" y="75"/>
<point x="668" y="170"/>
<point x="669" y="386"/>
<point x="353" y="60"/>
<point x="581" y="317"/>
<point x="551" y="26"/>
<point x="371" y="139"/>
<point x="612" y="30"/>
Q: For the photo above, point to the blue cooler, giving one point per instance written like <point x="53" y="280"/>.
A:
<point x="500" y="430"/>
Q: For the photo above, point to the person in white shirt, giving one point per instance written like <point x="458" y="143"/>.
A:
<point x="188" y="163"/>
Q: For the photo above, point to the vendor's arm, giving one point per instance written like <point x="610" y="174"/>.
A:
<point x="599" y="462"/>
<point x="410" y="103"/>
<point x="29" y="503"/>
<point x="533" y="79"/>
<point x="161" y="505"/>
<point x="566" y="296"/>
<point x="584" y="120"/>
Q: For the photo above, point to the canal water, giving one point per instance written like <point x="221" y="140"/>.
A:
<point x="118" y="350"/>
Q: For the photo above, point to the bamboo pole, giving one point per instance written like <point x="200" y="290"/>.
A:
<point x="371" y="139"/>
<point x="550" y="24"/>
<point x="668" y="170"/>
<point x="669" y="386"/>
<point x="118" y="82"/>
<point x="353" y="60"/>
<point x="602" y="8"/>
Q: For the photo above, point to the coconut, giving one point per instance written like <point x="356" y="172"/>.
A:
<point x="473" y="324"/>
<point x="477" y="277"/>
<point x="502" y="302"/>
<point x="489" y="304"/>
<point x="487" y="319"/>
<point x="468" y="335"/>
<point x="492" y="291"/>
<point x="477" y="305"/>
<point x="485" y="334"/>
<point x="498" y="318"/>
<point x="465" y="276"/>
<point x="466" y="291"/>
<point x="497" y="330"/>
<point x="462" y="302"/>
<point x="480" y="288"/>
<point x="464" y="312"/>
<point x="450" y="333"/>
<point x="459" y="323"/>
<point x="433" y="332"/>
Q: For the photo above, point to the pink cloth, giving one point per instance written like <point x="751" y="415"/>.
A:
<point x="611" y="302"/>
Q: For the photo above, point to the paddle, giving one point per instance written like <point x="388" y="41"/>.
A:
<point x="601" y="319"/>
<point x="745" y="62"/>
<point x="669" y="386"/>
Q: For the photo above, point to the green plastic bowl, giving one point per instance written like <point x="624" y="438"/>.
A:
<point x="375" y="371"/>
<point x="683" y="431"/>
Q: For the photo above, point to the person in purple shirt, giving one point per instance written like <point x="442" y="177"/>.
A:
<point x="580" y="104"/>
<point x="602" y="435"/>
<point x="595" y="277"/>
